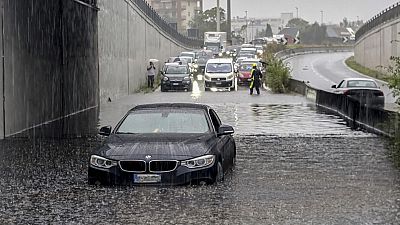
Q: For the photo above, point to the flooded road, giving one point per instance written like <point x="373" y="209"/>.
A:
<point x="295" y="165"/>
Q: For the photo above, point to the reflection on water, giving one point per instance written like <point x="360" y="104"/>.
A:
<point x="282" y="120"/>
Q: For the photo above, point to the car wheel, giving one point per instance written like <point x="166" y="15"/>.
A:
<point x="219" y="177"/>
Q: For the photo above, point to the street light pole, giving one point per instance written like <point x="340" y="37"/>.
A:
<point x="297" y="12"/>
<point x="218" y="18"/>
<point x="322" y="17"/>
<point x="245" y="39"/>
<point x="228" y="21"/>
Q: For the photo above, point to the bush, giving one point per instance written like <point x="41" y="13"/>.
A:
<point x="278" y="75"/>
<point x="394" y="75"/>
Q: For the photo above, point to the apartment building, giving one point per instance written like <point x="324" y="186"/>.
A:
<point x="178" y="12"/>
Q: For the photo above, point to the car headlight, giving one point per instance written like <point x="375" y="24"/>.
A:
<point x="165" y="78"/>
<point x="99" y="161"/>
<point x="186" y="78"/>
<point x="206" y="77"/>
<point x="199" y="162"/>
<point x="230" y="77"/>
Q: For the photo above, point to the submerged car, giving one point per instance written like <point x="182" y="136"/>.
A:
<point x="363" y="90"/>
<point x="176" y="77"/>
<point x="164" y="144"/>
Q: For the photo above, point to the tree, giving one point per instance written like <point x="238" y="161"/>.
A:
<point x="394" y="75"/>
<point x="298" y="23"/>
<point x="345" y="23"/>
<point x="314" y="34"/>
<point x="207" y="21"/>
<point x="268" y="32"/>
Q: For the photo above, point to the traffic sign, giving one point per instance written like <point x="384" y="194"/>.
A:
<point x="345" y="39"/>
<point x="284" y="41"/>
<point x="296" y="40"/>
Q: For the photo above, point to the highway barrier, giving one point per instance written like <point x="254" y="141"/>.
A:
<point x="370" y="118"/>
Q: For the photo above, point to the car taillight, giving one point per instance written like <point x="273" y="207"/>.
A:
<point x="379" y="93"/>
<point x="347" y="92"/>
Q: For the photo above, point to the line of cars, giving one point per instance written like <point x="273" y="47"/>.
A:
<point x="178" y="72"/>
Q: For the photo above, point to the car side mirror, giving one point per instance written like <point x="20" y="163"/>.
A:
<point x="333" y="86"/>
<point x="225" y="130"/>
<point x="105" y="131"/>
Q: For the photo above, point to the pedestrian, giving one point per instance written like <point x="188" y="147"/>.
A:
<point x="256" y="77"/>
<point x="151" y="73"/>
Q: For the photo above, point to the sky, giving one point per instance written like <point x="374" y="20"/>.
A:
<point x="333" y="10"/>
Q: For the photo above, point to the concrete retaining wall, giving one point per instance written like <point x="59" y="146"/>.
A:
<point x="50" y="65"/>
<point x="374" y="49"/>
<point x="127" y="40"/>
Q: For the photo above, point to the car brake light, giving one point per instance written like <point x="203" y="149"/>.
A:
<point x="379" y="93"/>
<point x="347" y="92"/>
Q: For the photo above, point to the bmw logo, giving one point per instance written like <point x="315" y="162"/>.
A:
<point x="148" y="157"/>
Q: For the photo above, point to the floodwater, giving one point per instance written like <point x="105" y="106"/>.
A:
<point x="295" y="165"/>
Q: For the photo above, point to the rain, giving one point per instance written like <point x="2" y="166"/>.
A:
<point x="71" y="67"/>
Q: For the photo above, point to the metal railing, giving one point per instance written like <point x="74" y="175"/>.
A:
<point x="164" y="26"/>
<point x="386" y="15"/>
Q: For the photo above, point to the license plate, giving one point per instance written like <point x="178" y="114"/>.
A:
<point x="175" y="84"/>
<point x="248" y="79"/>
<point x="218" y="83"/>
<point x="146" y="178"/>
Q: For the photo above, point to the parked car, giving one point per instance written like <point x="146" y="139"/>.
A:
<point x="365" y="91"/>
<point x="220" y="73"/>
<point x="164" y="144"/>
<point x="176" y="77"/>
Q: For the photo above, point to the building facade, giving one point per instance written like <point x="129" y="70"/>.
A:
<point x="256" y="25"/>
<point x="177" y="12"/>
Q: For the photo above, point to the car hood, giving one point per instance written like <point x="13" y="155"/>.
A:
<point x="245" y="74"/>
<point x="158" y="146"/>
<point x="176" y="76"/>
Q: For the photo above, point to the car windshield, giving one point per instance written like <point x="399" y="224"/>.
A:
<point x="176" y="70"/>
<point x="212" y="48"/>
<point x="245" y="67"/>
<point x="188" y="54"/>
<point x="219" y="68"/>
<point x="361" y="83"/>
<point x="190" y="121"/>
<point x="187" y="60"/>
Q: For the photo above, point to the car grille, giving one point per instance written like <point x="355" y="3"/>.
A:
<point x="218" y="79"/>
<point x="162" y="166"/>
<point x="133" y="166"/>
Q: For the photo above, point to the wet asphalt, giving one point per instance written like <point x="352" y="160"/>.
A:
<point x="296" y="164"/>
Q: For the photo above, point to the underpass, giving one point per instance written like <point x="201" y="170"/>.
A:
<point x="296" y="164"/>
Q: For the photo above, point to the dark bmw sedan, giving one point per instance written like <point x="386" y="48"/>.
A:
<point x="164" y="144"/>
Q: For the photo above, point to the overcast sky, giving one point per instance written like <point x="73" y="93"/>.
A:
<point x="333" y="10"/>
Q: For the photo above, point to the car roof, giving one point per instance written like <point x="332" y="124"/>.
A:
<point x="220" y="60"/>
<point x="171" y="105"/>
<point x="250" y="60"/>
<point x="359" y="78"/>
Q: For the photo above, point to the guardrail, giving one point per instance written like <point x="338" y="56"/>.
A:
<point x="288" y="53"/>
<point x="164" y="26"/>
<point x="386" y="15"/>
<point x="372" y="119"/>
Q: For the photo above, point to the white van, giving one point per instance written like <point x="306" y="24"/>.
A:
<point x="220" y="73"/>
